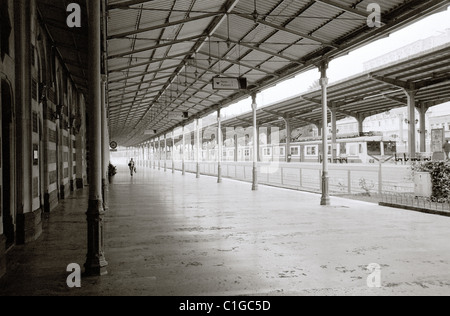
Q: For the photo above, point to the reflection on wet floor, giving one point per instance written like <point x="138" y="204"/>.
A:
<point x="173" y="235"/>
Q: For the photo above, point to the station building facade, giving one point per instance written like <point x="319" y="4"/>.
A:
<point x="42" y="123"/>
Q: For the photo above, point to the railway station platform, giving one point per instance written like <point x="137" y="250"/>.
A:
<point x="168" y="234"/>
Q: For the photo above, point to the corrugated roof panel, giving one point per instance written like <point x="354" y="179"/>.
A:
<point x="256" y="58"/>
<point x="335" y="29"/>
<point x="236" y="29"/>
<point x="122" y="21"/>
<point x="276" y="63"/>
<point x="315" y="21"/>
<point x="295" y="47"/>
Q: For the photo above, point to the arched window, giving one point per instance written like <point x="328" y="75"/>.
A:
<point x="5" y="28"/>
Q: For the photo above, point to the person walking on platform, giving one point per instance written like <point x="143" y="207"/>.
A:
<point x="132" y="167"/>
<point x="446" y="148"/>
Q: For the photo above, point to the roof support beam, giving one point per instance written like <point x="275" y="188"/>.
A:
<point x="393" y="82"/>
<point x="239" y="63"/>
<point x="259" y="49"/>
<point x="161" y="70"/>
<point x="140" y="83"/>
<point x="337" y="104"/>
<point x="432" y="81"/>
<point x="155" y="60"/>
<point x="250" y="123"/>
<point x="341" y="6"/>
<point x="119" y="97"/>
<point x="411" y="85"/>
<point x="275" y="113"/>
<point x="312" y="122"/>
<point x="163" y="26"/>
<point x="396" y="99"/>
<point x="126" y="4"/>
<point x="212" y="28"/>
<point x="284" y="29"/>
<point x="131" y="100"/>
<point x="150" y="48"/>
<point x="436" y="102"/>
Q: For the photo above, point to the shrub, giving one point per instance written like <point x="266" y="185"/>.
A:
<point x="366" y="186"/>
<point x="112" y="170"/>
<point x="440" y="177"/>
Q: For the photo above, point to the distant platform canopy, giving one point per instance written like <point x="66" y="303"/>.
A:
<point x="367" y="94"/>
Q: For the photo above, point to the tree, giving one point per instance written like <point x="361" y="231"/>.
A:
<point x="314" y="86"/>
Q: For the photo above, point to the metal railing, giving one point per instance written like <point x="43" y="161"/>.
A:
<point x="412" y="201"/>
<point x="345" y="179"/>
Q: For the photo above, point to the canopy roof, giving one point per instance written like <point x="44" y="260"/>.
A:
<point x="370" y="93"/>
<point x="163" y="54"/>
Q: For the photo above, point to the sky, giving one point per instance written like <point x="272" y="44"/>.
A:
<point x="353" y="63"/>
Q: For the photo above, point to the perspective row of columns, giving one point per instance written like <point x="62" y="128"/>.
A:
<point x="325" y="200"/>
<point x="99" y="156"/>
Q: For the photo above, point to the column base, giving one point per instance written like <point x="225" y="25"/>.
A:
<point x="255" y="179"/>
<point x="325" y="200"/>
<point x="2" y="255"/>
<point x="80" y="183"/>
<point x="219" y="174"/>
<point x="105" y="191"/>
<point x="50" y="201"/>
<point x="29" y="227"/>
<point x="65" y="191"/>
<point x="96" y="264"/>
<point x="96" y="267"/>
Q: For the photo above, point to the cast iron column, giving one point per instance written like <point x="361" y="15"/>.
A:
<point x="165" y="152"/>
<point x="360" y="120"/>
<point x="183" y="167"/>
<point x="411" y="94"/>
<point x="287" y="122"/>
<point x="423" y="128"/>
<point x="220" y="149"/>
<point x="197" y="130"/>
<point x="159" y="153"/>
<point x="325" y="177"/>
<point x="154" y="153"/>
<point x="255" y="144"/>
<point x="95" y="261"/>
<point x="105" y="147"/>
<point x="334" y="153"/>
<point x="23" y="157"/>
<point x="173" y="151"/>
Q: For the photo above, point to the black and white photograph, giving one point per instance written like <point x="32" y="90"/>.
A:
<point x="228" y="155"/>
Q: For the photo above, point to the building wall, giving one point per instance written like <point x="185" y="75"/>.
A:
<point x="441" y="122"/>
<point x="53" y="145"/>
<point x="7" y="91"/>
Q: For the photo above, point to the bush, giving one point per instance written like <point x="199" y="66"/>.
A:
<point x="364" y="184"/>
<point x="112" y="170"/>
<point x="440" y="177"/>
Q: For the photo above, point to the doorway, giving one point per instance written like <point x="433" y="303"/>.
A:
<point x="7" y="214"/>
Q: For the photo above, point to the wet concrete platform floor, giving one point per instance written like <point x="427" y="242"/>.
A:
<point x="172" y="235"/>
